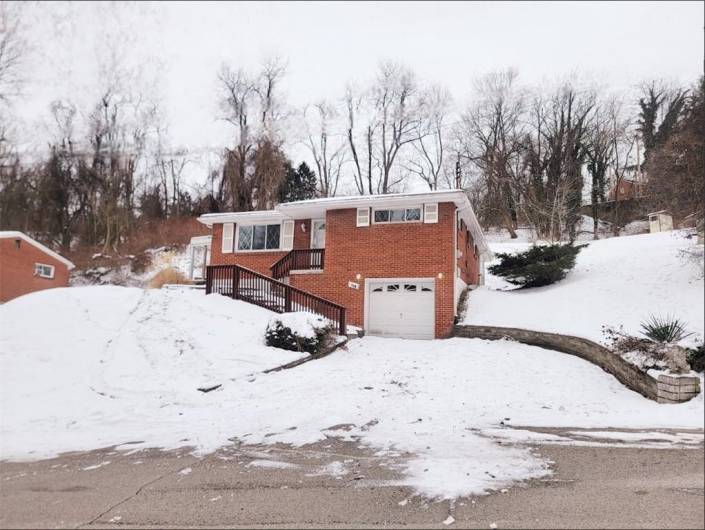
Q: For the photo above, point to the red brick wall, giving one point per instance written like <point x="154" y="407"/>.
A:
<point x="413" y="250"/>
<point x="302" y="238"/>
<point x="17" y="270"/>
<point x="467" y="260"/>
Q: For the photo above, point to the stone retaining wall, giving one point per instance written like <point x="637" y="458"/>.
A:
<point x="677" y="388"/>
<point x="665" y="389"/>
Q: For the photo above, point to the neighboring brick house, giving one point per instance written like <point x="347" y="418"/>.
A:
<point x="627" y="189"/>
<point x="398" y="263"/>
<point x="27" y="266"/>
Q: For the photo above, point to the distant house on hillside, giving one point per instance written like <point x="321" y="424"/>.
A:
<point x="627" y="189"/>
<point x="27" y="266"/>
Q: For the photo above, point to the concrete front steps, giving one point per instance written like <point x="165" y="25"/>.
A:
<point x="666" y="388"/>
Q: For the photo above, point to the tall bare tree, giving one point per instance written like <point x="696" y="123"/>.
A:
<point x="430" y="150"/>
<point x="381" y="122"/>
<point x="491" y="136"/>
<point x="252" y="104"/>
<point x="329" y="150"/>
<point x="12" y="50"/>
<point x="556" y="154"/>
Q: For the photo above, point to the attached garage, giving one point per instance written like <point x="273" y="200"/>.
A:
<point x="400" y="307"/>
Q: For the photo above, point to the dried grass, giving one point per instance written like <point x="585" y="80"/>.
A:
<point x="168" y="276"/>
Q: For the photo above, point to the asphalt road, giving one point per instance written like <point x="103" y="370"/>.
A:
<point x="592" y="487"/>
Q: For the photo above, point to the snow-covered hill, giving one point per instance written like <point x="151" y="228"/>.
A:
<point x="616" y="282"/>
<point x="89" y="366"/>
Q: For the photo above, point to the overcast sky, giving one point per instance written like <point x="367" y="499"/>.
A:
<point x="180" y="46"/>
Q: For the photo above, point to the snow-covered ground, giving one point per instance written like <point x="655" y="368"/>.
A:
<point x="90" y="367"/>
<point x="616" y="282"/>
<point x="85" y="366"/>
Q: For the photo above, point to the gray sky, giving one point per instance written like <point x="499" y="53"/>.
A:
<point x="180" y="46"/>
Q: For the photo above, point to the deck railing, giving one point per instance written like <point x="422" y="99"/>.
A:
<point x="250" y="286"/>
<point x="299" y="259"/>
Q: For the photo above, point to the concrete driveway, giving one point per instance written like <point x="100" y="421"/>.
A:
<point x="277" y="486"/>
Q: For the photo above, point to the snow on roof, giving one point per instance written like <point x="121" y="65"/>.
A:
<point x="8" y="234"/>
<point x="234" y="217"/>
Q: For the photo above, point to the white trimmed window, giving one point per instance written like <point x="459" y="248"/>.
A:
<point x="397" y="215"/>
<point x="44" y="271"/>
<point x="258" y="237"/>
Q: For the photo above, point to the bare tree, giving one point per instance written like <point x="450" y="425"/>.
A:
<point x="623" y="139"/>
<point x="600" y="154"/>
<point x="252" y="105"/>
<point x="430" y="148"/>
<point x="556" y="153"/>
<point x="12" y="50"/>
<point x="328" y="149"/>
<point x="381" y="122"/>
<point x="360" y="148"/>
<point x="491" y="136"/>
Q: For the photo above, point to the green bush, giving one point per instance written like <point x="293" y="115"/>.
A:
<point x="664" y="329"/>
<point x="696" y="358"/>
<point x="538" y="266"/>
<point x="303" y="332"/>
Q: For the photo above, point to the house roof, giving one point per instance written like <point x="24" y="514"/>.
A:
<point x="11" y="234"/>
<point x="313" y="208"/>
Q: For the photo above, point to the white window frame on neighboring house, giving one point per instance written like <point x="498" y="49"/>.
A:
<point x="237" y="238"/>
<point x="44" y="271"/>
<point x="397" y="221"/>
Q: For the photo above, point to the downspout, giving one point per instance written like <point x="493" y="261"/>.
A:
<point x="455" y="262"/>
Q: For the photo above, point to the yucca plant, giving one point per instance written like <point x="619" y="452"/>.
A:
<point x="664" y="329"/>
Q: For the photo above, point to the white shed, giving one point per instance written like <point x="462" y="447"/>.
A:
<point x="660" y="222"/>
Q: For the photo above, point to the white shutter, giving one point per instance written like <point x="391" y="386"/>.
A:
<point x="363" y="217"/>
<point x="430" y="213"/>
<point x="227" y="242"/>
<point x="287" y="242"/>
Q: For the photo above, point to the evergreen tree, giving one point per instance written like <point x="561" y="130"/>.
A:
<point x="299" y="183"/>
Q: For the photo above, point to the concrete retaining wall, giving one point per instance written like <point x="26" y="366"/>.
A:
<point x="665" y="389"/>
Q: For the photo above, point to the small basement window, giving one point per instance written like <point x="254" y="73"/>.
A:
<point x="44" y="271"/>
<point x="258" y="237"/>
<point x="400" y="215"/>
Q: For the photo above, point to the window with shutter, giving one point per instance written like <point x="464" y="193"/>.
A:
<point x="227" y="241"/>
<point x="363" y="217"/>
<point x="430" y="213"/>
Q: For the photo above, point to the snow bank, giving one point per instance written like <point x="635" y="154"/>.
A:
<point x="86" y="367"/>
<point x="616" y="282"/>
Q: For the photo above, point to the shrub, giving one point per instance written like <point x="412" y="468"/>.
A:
<point x="167" y="276"/>
<point x="538" y="266"/>
<point x="664" y="329"/>
<point x="301" y="331"/>
<point x="696" y="358"/>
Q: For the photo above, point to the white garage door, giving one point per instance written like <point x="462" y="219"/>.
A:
<point x="401" y="308"/>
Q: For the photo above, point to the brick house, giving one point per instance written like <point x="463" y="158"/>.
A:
<point x="397" y="263"/>
<point x="27" y="266"/>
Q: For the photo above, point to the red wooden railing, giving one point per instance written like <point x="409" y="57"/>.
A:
<point x="250" y="286"/>
<point x="299" y="259"/>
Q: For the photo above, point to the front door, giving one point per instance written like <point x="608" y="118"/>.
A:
<point x="318" y="233"/>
